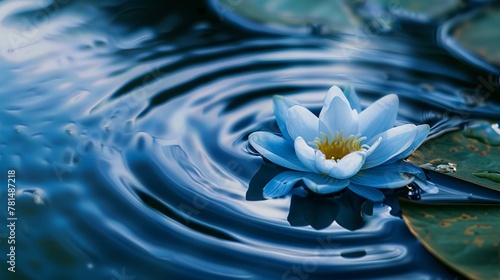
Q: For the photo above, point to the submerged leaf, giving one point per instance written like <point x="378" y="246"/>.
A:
<point x="465" y="237"/>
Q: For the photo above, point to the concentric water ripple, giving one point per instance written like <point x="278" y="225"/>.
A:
<point x="148" y="168"/>
<point x="189" y="166"/>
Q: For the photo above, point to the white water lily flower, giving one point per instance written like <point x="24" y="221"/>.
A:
<point x="343" y="147"/>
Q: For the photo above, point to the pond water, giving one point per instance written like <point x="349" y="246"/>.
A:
<point x="127" y="122"/>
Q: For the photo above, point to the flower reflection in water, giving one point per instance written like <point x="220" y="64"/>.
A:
<point x="307" y="208"/>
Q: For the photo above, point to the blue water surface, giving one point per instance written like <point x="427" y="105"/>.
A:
<point x="127" y="122"/>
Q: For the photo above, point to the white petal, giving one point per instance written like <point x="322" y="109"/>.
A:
<point x="422" y="132"/>
<point x="282" y="183"/>
<point x="322" y="164"/>
<point x="394" y="141"/>
<point x="324" y="184"/>
<point x="301" y="122"/>
<point x="276" y="149"/>
<point x="281" y="105"/>
<point x="379" y="116"/>
<point x="333" y="92"/>
<point x="305" y="154"/>
<point x="367" y="192"/>
<point x="348" y="166"/>
<point x="338" y="117"/>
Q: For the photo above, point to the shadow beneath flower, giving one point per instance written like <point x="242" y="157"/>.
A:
<point x="320" y="212"/>
<point x="265" y="174"/>
<point x="307" y="208"/>
<point x="346" y="208"/>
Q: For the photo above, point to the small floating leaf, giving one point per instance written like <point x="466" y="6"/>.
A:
<point x="464" y="158"/>
<point x="493" y="176"/>
<point x="466" y="237"/>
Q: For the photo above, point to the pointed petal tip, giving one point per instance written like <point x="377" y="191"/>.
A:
<point x="426" y="186"/>
<point x="392" y="96"/>
<point x="422" y="133"/>
<point x="286" y="101"/>
<point x="338" y="115"/>
<point x="424" y="127"/>
<point x="258" y="136"/>
<point x="253" y="137"/>
<point x="277" y="98"/>
<point x="276" y="149"/>
<point x="389" y="102"/>
<point x="390" y="99"/>
<point x="335" y="88"/>
<point x="333" y="92"/>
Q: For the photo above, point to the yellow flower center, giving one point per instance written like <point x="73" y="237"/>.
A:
<point x="339" y="147"/>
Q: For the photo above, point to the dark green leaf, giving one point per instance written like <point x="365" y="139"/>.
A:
<point x="466" y="237"/>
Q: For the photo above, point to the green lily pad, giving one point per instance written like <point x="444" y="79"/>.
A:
<point x="478" y="35"/>
<point x="333" y="16"/>
<point x="421" y="10"/>
<point x="473" y="37"/>
<point x="428" y="10"/>
<point x="466" y="237"/>
<point x="458" y="156"/>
